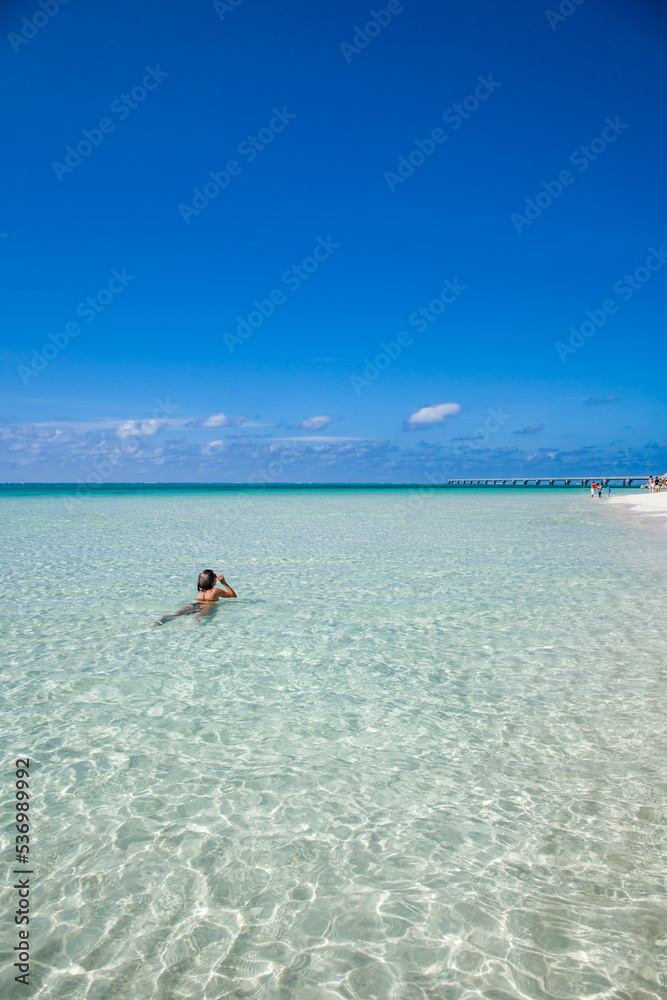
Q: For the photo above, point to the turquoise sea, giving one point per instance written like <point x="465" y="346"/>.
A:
<point x="422" y="757"/>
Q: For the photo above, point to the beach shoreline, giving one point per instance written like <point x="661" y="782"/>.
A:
<point x="652" y="505"/>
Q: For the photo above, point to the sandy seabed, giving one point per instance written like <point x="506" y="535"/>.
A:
<point x="422" y="755"/>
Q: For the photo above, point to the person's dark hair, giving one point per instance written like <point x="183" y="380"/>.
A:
<point x="206" y="580"/>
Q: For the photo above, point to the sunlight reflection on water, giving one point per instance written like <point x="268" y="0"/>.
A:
<point x="422" y="755"/>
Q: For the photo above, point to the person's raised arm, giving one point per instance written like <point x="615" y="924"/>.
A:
<point x="229" y="592"/>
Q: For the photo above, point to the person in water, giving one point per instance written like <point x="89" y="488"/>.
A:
<point x="207" y="595"/>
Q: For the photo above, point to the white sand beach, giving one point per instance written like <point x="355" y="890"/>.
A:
<point x="651" y="504"/>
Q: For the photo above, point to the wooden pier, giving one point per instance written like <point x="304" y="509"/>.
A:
<point x="551" y="481"/>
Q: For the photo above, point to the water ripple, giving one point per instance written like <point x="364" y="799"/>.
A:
<point x="423" y="756"/>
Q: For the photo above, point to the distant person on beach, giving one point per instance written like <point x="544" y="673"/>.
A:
<point x="207" y="595"/>
<point x="609" y="491"/>
<point x="592" y="489"/>
<point x="599" y="490"/>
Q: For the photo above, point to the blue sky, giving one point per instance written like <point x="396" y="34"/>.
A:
<point x="221" y="279"/>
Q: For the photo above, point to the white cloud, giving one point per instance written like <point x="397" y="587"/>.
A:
<point x="213" y="447"/>
<point x="318" y="437"/>
<point x="217" y="420"/>
<point x="106" y="424"/>
<point x="222" y="420"/>
<point x="533" y="429"/>
<point x="316" y="423"/>
<point x="437" y="413"/>
<point x="139" y="428"/>
<point x="592" y="400"/>
<point x="81" y="426"/>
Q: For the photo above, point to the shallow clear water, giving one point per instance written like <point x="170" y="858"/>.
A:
<point x="423" y="755"/>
